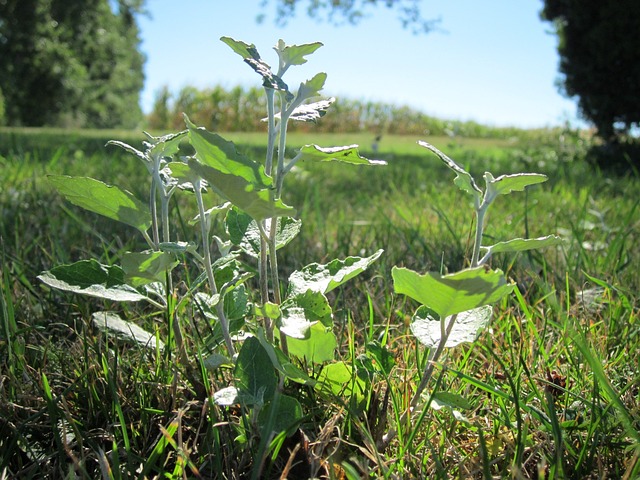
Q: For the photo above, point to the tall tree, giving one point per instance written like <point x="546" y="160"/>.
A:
<point x="599" y="49"/>
<point x="71" y="62"/>
<point x="350" y="11"/>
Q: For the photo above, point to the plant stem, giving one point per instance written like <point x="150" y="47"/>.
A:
<point x="204" y="231"/>
<point x="275" y="280"/>
<point x="477" y="242"/>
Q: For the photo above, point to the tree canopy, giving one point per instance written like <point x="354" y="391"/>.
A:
<point x="350" y="11"/>
<point x="599" y="49"/>
<point x="70" y="62"/>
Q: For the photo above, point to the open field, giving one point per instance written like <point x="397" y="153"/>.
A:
<point x="553" y="387"/>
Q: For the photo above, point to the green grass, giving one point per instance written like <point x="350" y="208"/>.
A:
<point x="553" y="385"/>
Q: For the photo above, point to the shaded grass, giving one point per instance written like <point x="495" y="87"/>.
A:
<point x="553" y="385"/>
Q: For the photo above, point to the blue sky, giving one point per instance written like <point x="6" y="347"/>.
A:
<point x="492" y="61"/>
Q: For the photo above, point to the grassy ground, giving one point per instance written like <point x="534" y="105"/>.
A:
<point x="552" y="386"/>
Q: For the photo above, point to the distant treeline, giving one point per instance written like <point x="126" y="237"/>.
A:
<point x="241" y="110"/>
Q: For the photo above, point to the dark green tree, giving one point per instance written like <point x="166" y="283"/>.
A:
<point x="599" y="49"/>
<point x="71" y="62"/>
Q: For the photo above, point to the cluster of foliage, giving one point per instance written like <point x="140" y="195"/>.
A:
<point x="71" y="63"/>
<point x="243" y="109"/>
<point x="352" y="11"/>
<point x="281" y="338"/>
<point x="600" y="60"/>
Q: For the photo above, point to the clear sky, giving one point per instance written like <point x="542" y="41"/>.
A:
<point x="492" y="61"/>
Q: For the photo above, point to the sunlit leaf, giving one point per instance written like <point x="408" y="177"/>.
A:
<point x="310" y="112"/>
<point x="347" y="154"/>
<point x="466" y="328"/>
<point x="324" y="278"/>
<point x="107" y="200"/>
<point x="505" y="184"/>
<point x="454" y="293"/>
<point x="294" y="54"/>
<point x="318" y="348"/>
<point x="338" y="379"/>
<point x="227" y="396"/>
<point x="243" y="231"/>
<point x="147" y="267"/>
<point x="88" y="277"/>
<point x="522" y="244"/>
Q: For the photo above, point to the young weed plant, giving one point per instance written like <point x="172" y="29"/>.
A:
<point x="269" y="339"/>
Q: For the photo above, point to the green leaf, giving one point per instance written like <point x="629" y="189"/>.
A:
<point x="324" y="278"/>
<point x="251" y="56"/>
<point x="284" y="411"/>
<point x="338" y="379"/>
<point x="314" y="305"/>
<point x="463" y="180"/>
<point x="347" y="154"/>
<point x="466" y="328"/>
<point x="256" y="377"/>
<point x="450" y="294"/>
<point x="129" y="331"/>
<point x="148" y="267"/>
<point x="310" y="88"/>
<point x="294" y="54"/>
<point x="236" y="303"/>
<point x="214" y="151"/>
<point x="282" y="363"/>
<point x="318" y="348"/>
<point x="522" y="244"/>
<point x="88" y="277"/>
<point x="103" y="199"/>
<point x="243" y="231"/>
<point x="166" y="146"/>
<point x="256" y="203"/>
<point x="506" y="184"/>
<point x="451" y="400"/>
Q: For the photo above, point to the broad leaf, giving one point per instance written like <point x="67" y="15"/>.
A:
<point x="347" y="154"/>
<point x="88" y="277"/>
<point x="256" y="203"/>
<point x="466" y="328"/>
<point x="129" y="331"/>
<point x="107" y="200"/>
<point x="256" y="377"/>
<point x="282" y="414"/>
<point x="225" y="397"/>
<point x="338" y="379"/>
<point x="318" y="348"/>
<point x="506" y="184"/>
<point x="310" y="112"/>
<point x="282" y="363"/>
<point x="214" y="151"/>
<point x="451" y="400"/>
<point x="148" y="267"/>
<point x="166" y="146"/>
<point x="301" y="312"/>
<point x="454" y="293"/>
<point x="522" y="244"/>
<point x="324" y="278"/>
<point x="463" y="180"/>
<point x="310" y="88"/>
<point x="243" y="231"/>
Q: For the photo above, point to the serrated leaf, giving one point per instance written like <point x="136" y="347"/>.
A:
<point x="466" y="328"/>
<point x="347" y="154"/>
<point x="88" y="277"/>
<point x="319" y="347"/>
<point x="324" y="278"/>
<point x="129" y="331"/>
<point x="107" y="200"/>
<point x="256" y="203"/>
<point x="256" y="377"/>
<point x="294" y="54"/>
<point x="245" y="50"/>
<point x="523" y="244"/>
<point x="463" y="180"/>
<point x="450" y="294"/>
<point x="147" y="267"/>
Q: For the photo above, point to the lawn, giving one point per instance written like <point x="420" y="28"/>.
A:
<point x="549" y="390"/>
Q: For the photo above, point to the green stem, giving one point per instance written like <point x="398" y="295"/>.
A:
<point x="204" y="231"/>
<point x="275" y="280"/>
